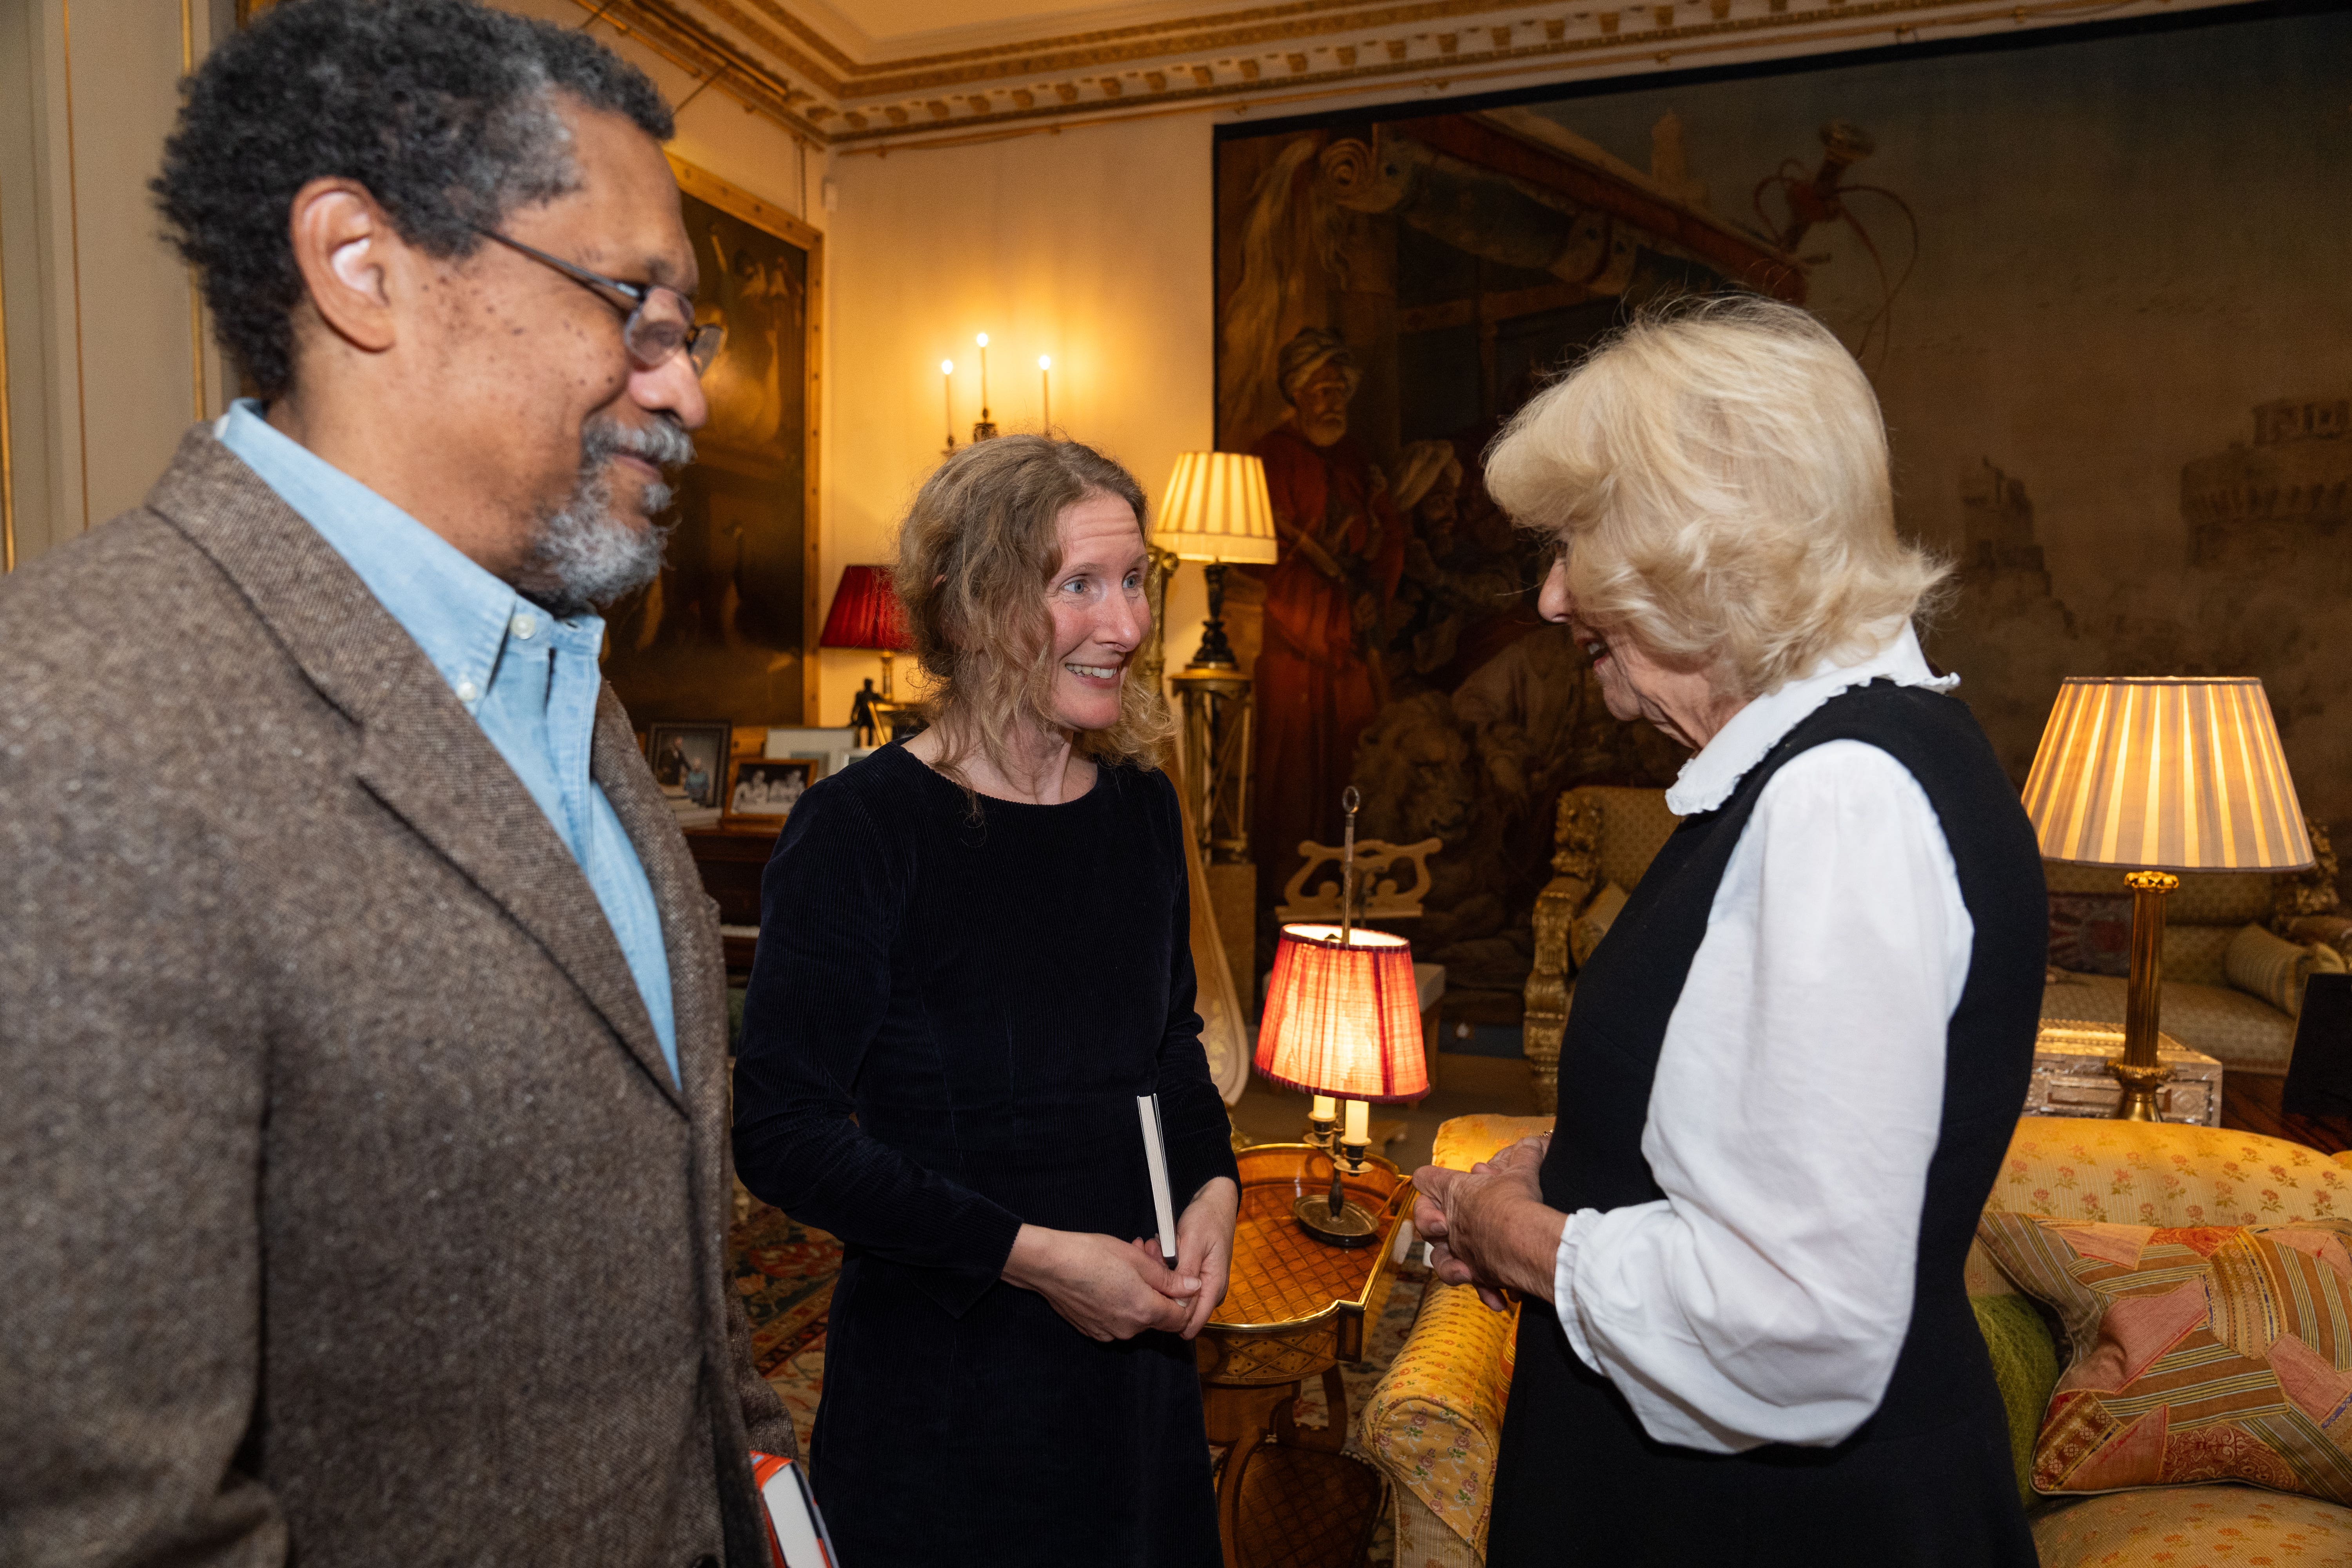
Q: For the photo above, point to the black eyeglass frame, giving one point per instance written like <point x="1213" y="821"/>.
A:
<point x="700" y="342"/>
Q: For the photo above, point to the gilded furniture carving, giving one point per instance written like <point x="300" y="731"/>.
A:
<point x="1378" y="895"/>
<point x="1601" y="835"/>
<point x="1576" y="860"/>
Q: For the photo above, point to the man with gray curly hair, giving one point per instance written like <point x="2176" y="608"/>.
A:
<point x="365" y="1155"/>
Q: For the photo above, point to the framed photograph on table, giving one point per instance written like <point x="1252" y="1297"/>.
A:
<point x="689" y="763"/>
<point x="763" y="791"/>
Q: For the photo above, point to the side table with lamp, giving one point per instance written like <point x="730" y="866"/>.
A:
<point x="2161" y="774"/>
<point x="1319" y="1230"/>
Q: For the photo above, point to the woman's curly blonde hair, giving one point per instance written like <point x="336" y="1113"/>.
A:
<point x="978" y="552"/>
<point x="1716" y="477"/>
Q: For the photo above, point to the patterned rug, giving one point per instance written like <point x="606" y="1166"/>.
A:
<point x="785" y="1272"/>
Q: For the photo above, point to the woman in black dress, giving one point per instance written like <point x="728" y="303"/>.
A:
<point x="974" y="955"/>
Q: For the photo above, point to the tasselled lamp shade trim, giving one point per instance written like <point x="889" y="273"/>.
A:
<point x="2166" y="775"/>
<point x="1343" y="1020"/>
<point x="1217" y="508"/>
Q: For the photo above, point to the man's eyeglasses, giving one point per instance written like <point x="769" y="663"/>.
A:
<point x="660" y="321"/>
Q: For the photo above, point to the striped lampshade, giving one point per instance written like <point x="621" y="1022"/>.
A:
<point x="2165" y="775"/>
<point x="1217" y="509"/>
<point x="1342" y="1017"/>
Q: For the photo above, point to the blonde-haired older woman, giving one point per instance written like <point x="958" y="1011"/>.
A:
<point x="1794" y="1063"/>
<point x="974" y="955"/>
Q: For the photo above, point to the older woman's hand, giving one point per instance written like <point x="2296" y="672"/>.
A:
<point x="1104" y="1288"/>
<point x="1488" y="1226"/>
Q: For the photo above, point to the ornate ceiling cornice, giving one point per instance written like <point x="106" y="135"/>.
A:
<point x="776" y="63"/>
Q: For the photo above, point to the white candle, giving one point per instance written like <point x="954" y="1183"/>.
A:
<point x="1359" y="1122"/>
<point x="1323" y="1110"/>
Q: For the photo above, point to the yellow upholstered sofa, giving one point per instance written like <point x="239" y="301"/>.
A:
<point x="1434" y="1420"/>
<point x="1607" y="836"/>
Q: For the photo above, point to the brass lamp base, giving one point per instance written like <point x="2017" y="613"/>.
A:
<point x="1348" y="1225"/>
<point x="2139" y="1071"/>
<point x="2140" y="1084"/>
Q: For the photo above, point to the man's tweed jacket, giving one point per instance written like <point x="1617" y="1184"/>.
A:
<point x="349" y="1213"/>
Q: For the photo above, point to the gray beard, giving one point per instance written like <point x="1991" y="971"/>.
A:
<point x="587" y="551"/>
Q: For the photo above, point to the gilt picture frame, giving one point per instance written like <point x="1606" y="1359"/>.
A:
<point x="731" y="625"/>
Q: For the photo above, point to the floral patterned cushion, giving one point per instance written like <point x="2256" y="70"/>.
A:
<point x="1435" y="1421"/>
<point x="2138" y="1172"/>
<point x="2200" y="1353"/>
<point x="2194" y="1527"/>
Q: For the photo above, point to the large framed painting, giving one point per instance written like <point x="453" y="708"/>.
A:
<point x="730" y="627"/>
<point x="2089" y="272"/>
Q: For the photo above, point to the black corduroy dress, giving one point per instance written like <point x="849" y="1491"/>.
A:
<point x="986" y="997"/>
<point x="1927" y="1483"/>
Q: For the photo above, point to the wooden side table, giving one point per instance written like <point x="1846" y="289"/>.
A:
<point x="1295" y="1309"/>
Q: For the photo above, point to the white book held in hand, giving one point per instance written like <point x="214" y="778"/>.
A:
<point x="1155" y="1155"/>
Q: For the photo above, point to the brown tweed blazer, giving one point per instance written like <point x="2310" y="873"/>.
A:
<point x="349" y="1213"/>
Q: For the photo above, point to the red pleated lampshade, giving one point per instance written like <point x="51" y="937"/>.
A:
<point x="865" y="613"/>
<point x="1343" y="1018"/>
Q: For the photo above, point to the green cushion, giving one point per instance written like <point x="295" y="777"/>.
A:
<point x="2025" y="1365"/>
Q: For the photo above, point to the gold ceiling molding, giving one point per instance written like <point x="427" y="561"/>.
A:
<point x="1828" y="24"/>
<point x="1081" y="51"/>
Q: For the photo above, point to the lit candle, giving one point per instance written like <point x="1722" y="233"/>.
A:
<point x="982" y="342"/>
<point x="1323" y="1110"/>
<point x="1045" y="389"/>
<point x="947" y="397"/>
<point x="1359" y="1122"/>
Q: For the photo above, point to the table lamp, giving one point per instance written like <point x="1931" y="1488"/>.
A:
<point x="1217" y="510"/>
<point x="1342" y="1022"/>
<point x="2161" y="774"/>
<point x="866" y="616"/>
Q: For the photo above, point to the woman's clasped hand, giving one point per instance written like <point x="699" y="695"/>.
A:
<point x="1112" y="1290"/>
<point x="1488" y="1226"/>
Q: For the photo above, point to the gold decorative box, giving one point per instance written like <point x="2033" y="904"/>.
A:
<point x="2071" y="1077"/>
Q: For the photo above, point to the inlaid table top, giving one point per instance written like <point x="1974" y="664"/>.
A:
<point x="1283" y="1276"/>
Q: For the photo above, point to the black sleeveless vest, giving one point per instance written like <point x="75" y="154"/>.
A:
<point x="1927" y="1480"/>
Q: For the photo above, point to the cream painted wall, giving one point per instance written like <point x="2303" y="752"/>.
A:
<point x="1092" y="247"/>
<point x="101" y="366"/>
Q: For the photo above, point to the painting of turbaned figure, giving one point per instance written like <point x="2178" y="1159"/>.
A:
<point x="2095" y="275"/>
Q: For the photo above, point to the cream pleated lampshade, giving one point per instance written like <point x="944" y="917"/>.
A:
<point x="1217" y="508"/>
<point x="2166" y="775"/>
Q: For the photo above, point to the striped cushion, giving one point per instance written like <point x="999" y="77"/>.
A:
<point x="2211" y="1353"/>
<point x="2273" y="968"/>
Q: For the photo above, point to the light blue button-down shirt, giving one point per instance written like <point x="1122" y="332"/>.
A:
<point x="528" y="678"/>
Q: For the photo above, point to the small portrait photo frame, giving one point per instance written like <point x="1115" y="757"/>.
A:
<point x="689" y="761"/>
<point x="763" y="791"/>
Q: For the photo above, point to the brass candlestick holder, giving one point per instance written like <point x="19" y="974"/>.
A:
<point x="2138" y="1070"/>
<point x="1331" y="1218"/>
